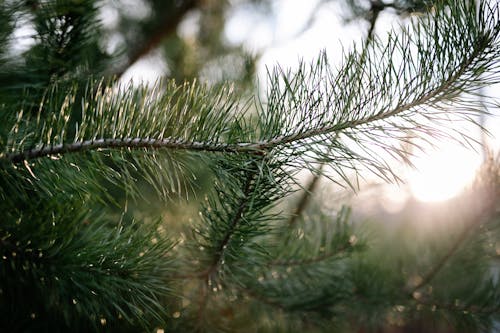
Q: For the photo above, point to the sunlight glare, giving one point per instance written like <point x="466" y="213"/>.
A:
<point x="443" y="173"/>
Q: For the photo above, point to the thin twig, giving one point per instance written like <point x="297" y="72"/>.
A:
<point x="88" y="145"/>
<point x="481" y="214"/>
<point x="442" y="262"/>
<point x="306" y="196"/>
<point x="209" y="274"/>
<point x="233" y="225"/>
<point x="308" y="261"/>
<point x="377" y="6"/>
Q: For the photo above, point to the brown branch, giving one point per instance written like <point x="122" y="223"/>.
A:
<point x="202" y="301"/>
<point x="478" y="214"/>
<point x="377" y="6"/>
<point x="105" y="143"/>
<point x="168" y="26"/>
<point x="306" y="196"/>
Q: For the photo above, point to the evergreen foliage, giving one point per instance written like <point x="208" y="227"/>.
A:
<point x="77" y="151"/>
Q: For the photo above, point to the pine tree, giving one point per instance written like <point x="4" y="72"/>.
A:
<point x="82" y="158"/>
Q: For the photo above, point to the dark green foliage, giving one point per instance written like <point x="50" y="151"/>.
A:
<point x="65" y="266"/>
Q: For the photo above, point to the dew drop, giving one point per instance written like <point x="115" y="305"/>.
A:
<point x="176" y="314"/>
<point x="103" y="321"/>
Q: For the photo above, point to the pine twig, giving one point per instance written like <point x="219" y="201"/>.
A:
<point x="306" y="196"/>
<point x="210" y="273"/>
<point x="444" y="259"/>
<point x="233" y="224"/>
<point x="474" y="220"/>
<point x="312" y="260"/>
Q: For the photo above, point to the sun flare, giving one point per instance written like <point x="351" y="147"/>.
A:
<point x="442" y="173"/>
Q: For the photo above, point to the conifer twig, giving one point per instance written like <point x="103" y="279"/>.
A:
<point x="444" y="259"/>
<point x="306" y="196"/>
<point x="233" y="224"/>
<point x="472" y="222"/>
<point x="312" y="260"/>
<point x="210" y="273"/>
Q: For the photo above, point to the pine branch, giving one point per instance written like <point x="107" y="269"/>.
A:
<point x="316" y="125"/>
<point x="130" y="143"/>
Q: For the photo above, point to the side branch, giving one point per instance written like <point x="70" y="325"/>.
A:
<point x="210" y="273"/>
<point x="233" y="224"/>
